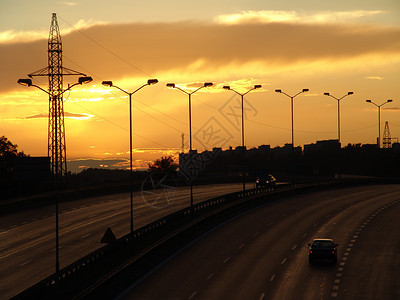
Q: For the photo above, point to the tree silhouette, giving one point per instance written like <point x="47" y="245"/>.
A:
<point x="163" y="164"/>
<point x="8" y="152"/>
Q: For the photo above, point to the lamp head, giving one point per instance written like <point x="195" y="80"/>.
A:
<point x="278" y="91"/>
<point x="207" y="84"/>
<point x="107" y="83"/>
<point x="257" y="86"/>
<point x="326" y="94"/>
<point x="171" y="85"/>
<point x="25" y="82"/>
<point x="85" y="79"/>
<point x="350" y="93"/>
<point x="227" y="87"/>
<point x="152" y="81"/>
<point x="368" y="101"/>
<point x="305" y="90"/>
<point x="390" y="100"/>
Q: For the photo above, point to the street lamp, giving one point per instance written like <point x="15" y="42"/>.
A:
<point x="110" y="84"/>
<point x="379" y="118"/>
<point x="338" y="103"/>
<point x="173" y="86"/>
<point x="28" y="82"/>
<point x="291" y="105"/>
<point x="227" y="87"/>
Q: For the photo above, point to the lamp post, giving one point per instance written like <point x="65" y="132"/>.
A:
<point x="291" y="105"/>
<point x="227" y="87"/>
<point x="338" y="109"/>
<point x="28" y="82"/>
<point x="173" y="86"/>
<point x="110" y="84"/>
<point x="379" y="118"/>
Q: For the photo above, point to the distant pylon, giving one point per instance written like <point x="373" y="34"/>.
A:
<point x="55" y="71"/>
<point x="387" y="138"/>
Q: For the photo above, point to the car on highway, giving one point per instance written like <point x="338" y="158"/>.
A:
<point x="322" y="250"/>
<point x="266" y="181"/>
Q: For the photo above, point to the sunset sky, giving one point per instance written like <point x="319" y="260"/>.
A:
<point x="325" y="46"/>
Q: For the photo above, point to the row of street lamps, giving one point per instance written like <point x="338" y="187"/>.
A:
<point x="87" y="79"/>
<point x="81" y="80"/>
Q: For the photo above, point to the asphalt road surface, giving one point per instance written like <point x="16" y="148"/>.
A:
<point x="263" y="254"/>
<point x="27" y="238"/>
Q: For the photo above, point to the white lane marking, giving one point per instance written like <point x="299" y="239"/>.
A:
<point x="226" y="259"/>
<point x="257" y="233"/>
<point x="192" y="295"/>
<point x="304" y="235"/>
<point x="242" y="245"/>
<point x="283" y="261"/>
<point x="210" y="276"/>
<point x="294" y="247"/>
<point x="35" y="236"/>
<point x="272" y="277"/>
<point x="25" y="263"/>
<point x="262" y="296"/>
<point x="85" y="236"/>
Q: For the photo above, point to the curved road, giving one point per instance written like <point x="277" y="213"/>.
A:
<point x="263" y="254"/>
<point x="27" y="238"/>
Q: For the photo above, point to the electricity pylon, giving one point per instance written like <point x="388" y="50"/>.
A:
<point x="387" y="138"/>
<point x="56" y="130"/>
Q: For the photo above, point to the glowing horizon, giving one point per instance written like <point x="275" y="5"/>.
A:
<point x="325" y="50"/>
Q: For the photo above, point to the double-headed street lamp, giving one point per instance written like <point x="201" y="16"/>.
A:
<point x="173" y="86"/>
<point x="110" y="84"/>
<point x="338" y="109"/>
<point x="57" y="172"/>
<point x="291" y="105"/>
<point x="379" y="118"/>
<point x="227" y="87"/>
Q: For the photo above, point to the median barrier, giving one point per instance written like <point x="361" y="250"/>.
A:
<point x="109" y="269"/>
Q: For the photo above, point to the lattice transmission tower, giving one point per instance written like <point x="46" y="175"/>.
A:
<point x="387" y="138"/>
<point x="55" y="71"/>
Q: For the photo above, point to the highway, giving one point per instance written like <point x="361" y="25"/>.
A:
<point x="27" y="238"/>
<point x="262" y="254"/>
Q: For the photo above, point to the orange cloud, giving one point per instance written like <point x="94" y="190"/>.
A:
<point x="173" y="49"/>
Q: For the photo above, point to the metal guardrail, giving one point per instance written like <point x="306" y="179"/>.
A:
<point x="81" y="278"/>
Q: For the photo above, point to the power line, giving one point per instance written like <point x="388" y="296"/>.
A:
<point x="106" y="49"/>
